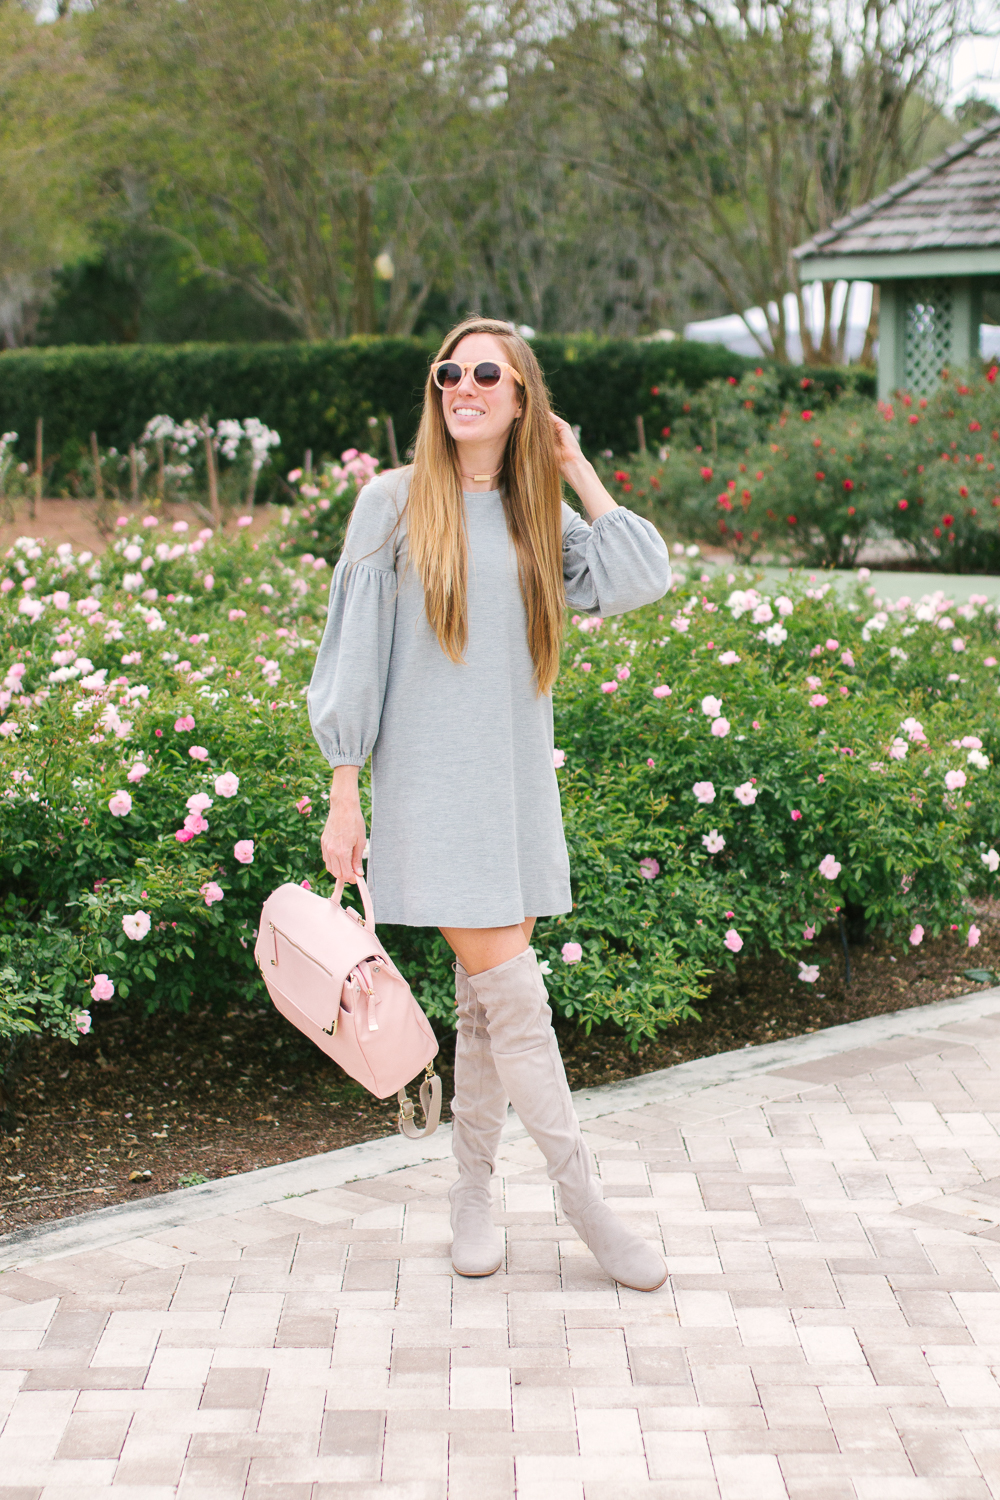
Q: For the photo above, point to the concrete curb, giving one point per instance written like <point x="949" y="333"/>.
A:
<point x="251" y="1190"/>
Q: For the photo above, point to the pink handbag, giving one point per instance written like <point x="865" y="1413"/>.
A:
<point x="329" y="975"/>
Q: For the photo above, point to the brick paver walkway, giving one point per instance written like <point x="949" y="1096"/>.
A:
<point x="830" y="1330"/>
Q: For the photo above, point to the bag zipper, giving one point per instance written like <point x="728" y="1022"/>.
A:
<point x="276" y="932"/>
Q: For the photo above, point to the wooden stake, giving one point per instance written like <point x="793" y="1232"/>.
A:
<point x="133" y="463"/>
<point x="640" y="428"/>
<point x="95" y="454"/>
<point x="161" y="471"/>
<point x="36" y="498"/>
<point x="390" y="433"/>
<point x="213" y="473"/>
<point x="308" y="466"/>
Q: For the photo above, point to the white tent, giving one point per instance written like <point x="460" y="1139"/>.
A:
<point x="732" y="330"/>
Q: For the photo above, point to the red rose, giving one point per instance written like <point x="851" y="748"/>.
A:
<point x="820" y="474"/>
<point x="807" y="416"/>
<point x="948" y="521"/>
<point x="848" y="484"/>
<point x="706" y="472"/>
<point x="793" y="521"/>
<point x="904" y="504"/>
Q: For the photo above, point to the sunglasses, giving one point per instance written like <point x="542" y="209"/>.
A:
<point x="486" y="375"/>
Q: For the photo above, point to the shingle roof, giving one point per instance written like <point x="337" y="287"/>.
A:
<point x="952" y="203"/>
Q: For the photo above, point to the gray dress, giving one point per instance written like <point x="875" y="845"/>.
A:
<point x="466" y="825"/>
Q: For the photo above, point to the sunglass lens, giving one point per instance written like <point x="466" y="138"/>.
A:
<point x="448" y="376"/>
<point x="487" y="374"/>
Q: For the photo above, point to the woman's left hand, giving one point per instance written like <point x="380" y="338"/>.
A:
<point x="568" y="450"/>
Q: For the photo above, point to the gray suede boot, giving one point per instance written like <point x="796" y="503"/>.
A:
<point x="526" y="1054"/>
<point x="478" y="1110"/>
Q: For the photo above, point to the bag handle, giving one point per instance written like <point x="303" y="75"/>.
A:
<point x="430" y="1103"/>
<point x="366" y="901"/>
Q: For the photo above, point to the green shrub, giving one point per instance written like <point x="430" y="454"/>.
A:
<point x="102" y="680"/>
<point x="825" y="479"/>
<point x="326" y="396"/>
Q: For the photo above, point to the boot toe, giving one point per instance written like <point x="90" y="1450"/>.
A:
<point x="476" y="1259"/>
<point x="629" y="1260"/>
<point x="477" y="1245"/>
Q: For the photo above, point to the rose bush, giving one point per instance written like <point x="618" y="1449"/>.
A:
<point x="159" y="779"/>
<point x="825" y="479"/>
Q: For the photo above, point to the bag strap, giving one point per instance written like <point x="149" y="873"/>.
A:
<point x="366" y="901"/>
<point x="430" y="1103"/>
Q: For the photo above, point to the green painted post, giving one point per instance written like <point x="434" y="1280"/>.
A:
<point x="890" y="338"/>
<point x="966" y="304"/>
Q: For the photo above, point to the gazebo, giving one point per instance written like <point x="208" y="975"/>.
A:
<point x="932" y="246"/>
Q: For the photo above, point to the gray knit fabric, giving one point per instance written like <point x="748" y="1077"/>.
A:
<point x="466" y="824"/>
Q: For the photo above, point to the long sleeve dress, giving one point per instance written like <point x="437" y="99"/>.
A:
<point x="466" y="826"/>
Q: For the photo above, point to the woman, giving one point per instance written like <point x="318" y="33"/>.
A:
<point x="441" y="647"/>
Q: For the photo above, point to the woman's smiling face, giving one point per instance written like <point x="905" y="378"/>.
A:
<point x="475" y="416"/>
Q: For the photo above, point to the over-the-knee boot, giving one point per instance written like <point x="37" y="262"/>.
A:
<point x="479" y="1110"/>
<point x="526" y="1054"/>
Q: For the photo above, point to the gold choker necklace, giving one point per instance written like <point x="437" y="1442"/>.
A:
<point x="479" y="478"/>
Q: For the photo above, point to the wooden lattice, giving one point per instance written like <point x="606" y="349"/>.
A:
<point x="927" y="327"/>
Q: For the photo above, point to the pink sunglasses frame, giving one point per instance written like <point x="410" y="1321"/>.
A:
<point x="471" y="365"/>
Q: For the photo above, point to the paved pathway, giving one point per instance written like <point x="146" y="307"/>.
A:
<point x="830" y="1212"/>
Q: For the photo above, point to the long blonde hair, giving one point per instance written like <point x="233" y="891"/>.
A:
<point x="531" y="492"/>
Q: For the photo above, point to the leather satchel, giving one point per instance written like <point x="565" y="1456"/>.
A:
<point x="328" y="973"/>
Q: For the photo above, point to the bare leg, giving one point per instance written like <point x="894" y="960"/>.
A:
<point x="479" y="948"/>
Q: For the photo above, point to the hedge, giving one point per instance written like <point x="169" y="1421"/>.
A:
<point x="322" y="395"/>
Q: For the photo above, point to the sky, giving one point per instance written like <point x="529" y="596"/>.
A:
<point x="976" y="70"/>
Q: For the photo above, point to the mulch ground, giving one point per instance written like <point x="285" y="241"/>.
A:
<point x="147" y="1106"/>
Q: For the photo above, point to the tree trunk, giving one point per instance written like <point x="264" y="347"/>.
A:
<point x="363" y="311"/>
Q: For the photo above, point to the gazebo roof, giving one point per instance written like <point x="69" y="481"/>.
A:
<point x="942" y="219"/>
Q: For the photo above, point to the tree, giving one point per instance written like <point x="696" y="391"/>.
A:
<point x="753" y="125"/>
<point x="287" y="146"/>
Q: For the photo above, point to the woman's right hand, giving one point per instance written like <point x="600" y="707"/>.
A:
<point x="344" y="835"/>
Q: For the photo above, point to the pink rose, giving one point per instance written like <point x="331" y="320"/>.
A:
<point x="304" y="806"/>
<point x="649" y="868"/>
<point x="917" y="936"/>
<point x="245" y="521"/>
<point x="243" y="851"/>
<point x="720" y="728"/>
<point x="138" y="771"/>
<point x="211" y="891"/>
<point x="82" y="1021"/>
<point x="704" y="792"/>
<point x="195" y="823"/>
<point x="558" y="759"/>
<point x="135" y="925"/>
<point x="662" y="691"/>
<point x="227" y="785"/>
<point x="184" y="835"/>
<point x="954" y="779"/>
<point x="102" y="988"/>
<point x="184" y="724"/>
<point x="974" y="935"/>
<point x="198" y="752"/>
<point x="120" y="805"/>
<point x="208" y="582"/>
<point x="829" y="867"/>
<point x="572" y="953"/>
<point x="809" y="932"/>
<point x="623" y="674"/>
<point x="733" y="941"/>
<point x="609" y="687"/>
<point x="199" y="803"/>
<point x="818" y="700"/>
<point x="796" y="815"/>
